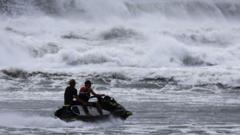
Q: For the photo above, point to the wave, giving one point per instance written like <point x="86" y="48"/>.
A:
<point x="123" y="46"/>
<point x="153" y="79"/>
<point x="22" y="74"/>
<point x="119" y="33"/>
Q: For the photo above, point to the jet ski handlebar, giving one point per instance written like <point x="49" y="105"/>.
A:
<point x="97" y="96"/>
<point x="105" y="98"/>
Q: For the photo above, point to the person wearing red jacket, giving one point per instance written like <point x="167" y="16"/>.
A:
<point x="84" y="96"/>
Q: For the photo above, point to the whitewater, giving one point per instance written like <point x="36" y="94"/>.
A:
<point x="174" y="63"/>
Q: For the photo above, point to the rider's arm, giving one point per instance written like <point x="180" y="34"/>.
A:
<point x="95" y="94"/>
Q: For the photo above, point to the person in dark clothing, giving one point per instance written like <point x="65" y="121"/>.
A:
<point x="84" y="95"/>
<point x="70" y="95"/>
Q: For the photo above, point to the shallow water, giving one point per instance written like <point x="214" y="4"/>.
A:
<point x="164" y="110"/>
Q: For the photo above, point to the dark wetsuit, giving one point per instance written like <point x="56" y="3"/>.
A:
<point x="69" y="94"/>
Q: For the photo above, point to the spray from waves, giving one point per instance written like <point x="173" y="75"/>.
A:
<point x="125" y="46"/>
<point x="104" y="8"/>
<point x="19" y="120"/>
<point x="141" y="40"/>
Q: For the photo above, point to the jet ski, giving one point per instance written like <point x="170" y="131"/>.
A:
<point x="109" y="105"/>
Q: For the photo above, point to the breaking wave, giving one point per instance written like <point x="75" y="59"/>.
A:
<point x="153" y="79"/>
<point x="126" y="33"/>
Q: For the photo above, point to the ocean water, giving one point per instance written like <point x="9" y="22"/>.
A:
<point x="174" y="63"/>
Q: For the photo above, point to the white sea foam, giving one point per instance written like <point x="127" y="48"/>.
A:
<point x="158" y="49"/>
<point x="20" y="120"/>
<point x="146" y="40"/>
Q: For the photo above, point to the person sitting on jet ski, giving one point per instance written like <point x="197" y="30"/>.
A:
<point x="70" y="94"/>
<point x="84" y="95"/>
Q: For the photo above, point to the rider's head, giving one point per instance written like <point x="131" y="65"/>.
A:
<point x="72" y="83"/>
<point x="88" y="84"/>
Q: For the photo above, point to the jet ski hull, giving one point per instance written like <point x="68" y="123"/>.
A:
<point x="109" y="105"/>
<point x="67" y="114"/>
